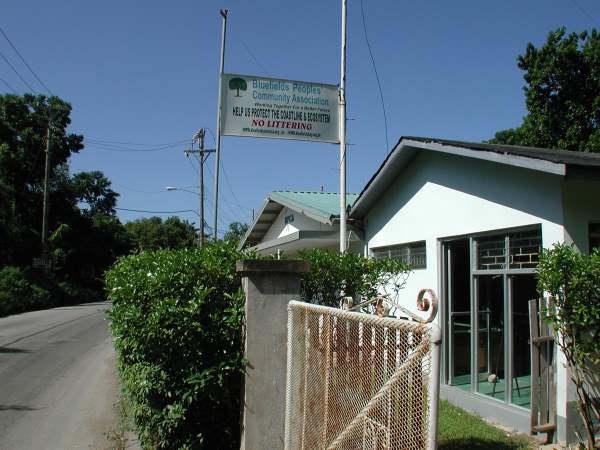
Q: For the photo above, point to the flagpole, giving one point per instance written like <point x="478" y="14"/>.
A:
<point x="342" y="119"/>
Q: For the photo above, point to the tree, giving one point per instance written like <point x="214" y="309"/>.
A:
<point x="153" y="234"/>
<point x="82" y="242"/>
<point x="562" y="94"/>
<point x="24" y="122"/>
<point x="236" y="231"/>
<point x="573" y="281"/>
<point x="93" y="189"/>
<point x="238" y="84"/>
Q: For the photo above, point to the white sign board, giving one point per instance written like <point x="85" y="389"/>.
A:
<point x="274" y="108"/>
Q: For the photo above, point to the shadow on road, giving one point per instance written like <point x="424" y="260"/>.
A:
<point x="17" y="408"/>
<point x="13" y="350"/>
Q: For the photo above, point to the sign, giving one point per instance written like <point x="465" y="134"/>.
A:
<point x="274" y="108"/>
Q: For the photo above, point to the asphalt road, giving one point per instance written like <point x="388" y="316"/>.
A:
<point x="57" y="379"/>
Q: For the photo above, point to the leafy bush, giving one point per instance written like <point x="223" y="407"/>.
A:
<point x="573" y="281"/>
<point x="333" y="275"/>
<point x="18" y="293"/>
<point x="177" y="321"/>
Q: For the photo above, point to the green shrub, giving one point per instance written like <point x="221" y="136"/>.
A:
<point x="19" y="293"/>
<point x="573" y="281"/>
<point x="333" y="275"/>
<point x="177" y="321"/>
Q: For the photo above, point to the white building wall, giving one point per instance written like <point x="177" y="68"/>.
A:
<point x="300" y="222"/>
<point x="440" y="196"/>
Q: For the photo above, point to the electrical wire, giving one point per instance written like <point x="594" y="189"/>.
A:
<point x="104" y="141"/>
<point x="137" y="190"/>
<point x="18" y="74"/>
<point x="25" y="62"/>
<point x="10" y="88"/>
<point x="231" y="189"/>
<point x="227" y="180"/>
<point x="364" y="24"/>
<point x="585" y="12"/>
<point x="254" y="58"/>
<point x="158" y="212"/>
<point x="113" y="147"/>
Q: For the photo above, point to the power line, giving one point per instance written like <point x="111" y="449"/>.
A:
<point x="157" y="212"/>
<point x="108" y="142"/>
<point x="10" y="88"/>
<point x="137" y="190"/>
<point x="362" y="9"/>
<point x="584" y="12"/>
<point x="231" y="189"/>
<point x="101" y="145"/>
<point x="25" y="62"/>
<point x="254" y="58"/>
<point x="18" y="74"/>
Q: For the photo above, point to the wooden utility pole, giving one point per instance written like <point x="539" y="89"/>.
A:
<point x="204" y="153"/>
<point x="45" y="207"/>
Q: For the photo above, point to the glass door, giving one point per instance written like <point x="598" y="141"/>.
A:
<point x="459" y="312"/>
<point x="491" y="374"/>
<point x="522" y="289"/>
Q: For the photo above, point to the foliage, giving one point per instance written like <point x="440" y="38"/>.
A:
<point x="573" y="281"/>
<point x="94" y="190"/>
<point x="177" y="322"/>
<point x="236" y="231"/>
<point x="332" y="274"/>
<point x="562" y="94"/>
<point x="154" y="234"/>
<point x="458" y="429"/>
<point x="18" y="293"/>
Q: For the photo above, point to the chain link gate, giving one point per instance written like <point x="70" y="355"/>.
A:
<point x="359" y="381"/>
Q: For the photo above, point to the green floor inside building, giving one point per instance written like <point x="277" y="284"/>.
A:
<point x="521" y="389"/>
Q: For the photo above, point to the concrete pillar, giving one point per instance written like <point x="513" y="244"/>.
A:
<point x="269" y="285"/>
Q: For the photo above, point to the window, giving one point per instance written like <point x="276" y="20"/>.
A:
<point x="594" y="236"/>
<point x="517" y="250"/>
<point x="413" y="253"/>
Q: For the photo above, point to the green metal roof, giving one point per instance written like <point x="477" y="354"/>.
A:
<point x="323" y="205"/>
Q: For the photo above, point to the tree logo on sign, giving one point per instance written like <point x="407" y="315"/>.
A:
<point x="238" y="84"/>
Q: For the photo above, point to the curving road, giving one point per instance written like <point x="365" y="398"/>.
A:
<point x="57" y="379"/>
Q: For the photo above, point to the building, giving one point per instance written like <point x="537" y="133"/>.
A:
<point x="292" y="221"/>
<point x="472" y="219"/>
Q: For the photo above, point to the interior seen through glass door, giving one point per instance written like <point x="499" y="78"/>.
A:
<point x="459" y="320"/>
<point x="490" y="336"/>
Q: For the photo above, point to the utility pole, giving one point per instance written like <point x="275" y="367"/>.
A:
<point x="204" y="153"/>
<point x="343" y="243"/>
<point x="218" y="150"/>
<point x="46" y="193"/>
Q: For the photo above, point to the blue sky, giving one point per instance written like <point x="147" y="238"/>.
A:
<point x="147" y="73"/>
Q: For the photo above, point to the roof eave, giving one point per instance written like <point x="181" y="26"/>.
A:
<point x="404" y="150"/>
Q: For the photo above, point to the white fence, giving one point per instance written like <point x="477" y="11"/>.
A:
<point x="359" y="381"/>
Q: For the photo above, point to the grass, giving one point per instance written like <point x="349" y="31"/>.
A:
<point x="459" y="429"/>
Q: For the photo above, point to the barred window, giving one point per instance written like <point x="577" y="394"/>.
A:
<point x="517" y="250"/>
<point x="413" y="253"/>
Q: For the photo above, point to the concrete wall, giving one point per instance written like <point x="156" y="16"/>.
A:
<point x="269" y="285"/>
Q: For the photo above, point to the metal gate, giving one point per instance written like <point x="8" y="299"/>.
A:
<point x="359" y="381"/>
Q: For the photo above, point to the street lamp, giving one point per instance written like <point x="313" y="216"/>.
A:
<point x="201" y="228"/>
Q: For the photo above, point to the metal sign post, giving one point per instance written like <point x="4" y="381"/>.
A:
<point x="218" y="143"/>
<point x="343" y="237"/>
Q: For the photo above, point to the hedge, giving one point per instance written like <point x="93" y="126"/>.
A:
<point x="177" y="322"/>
